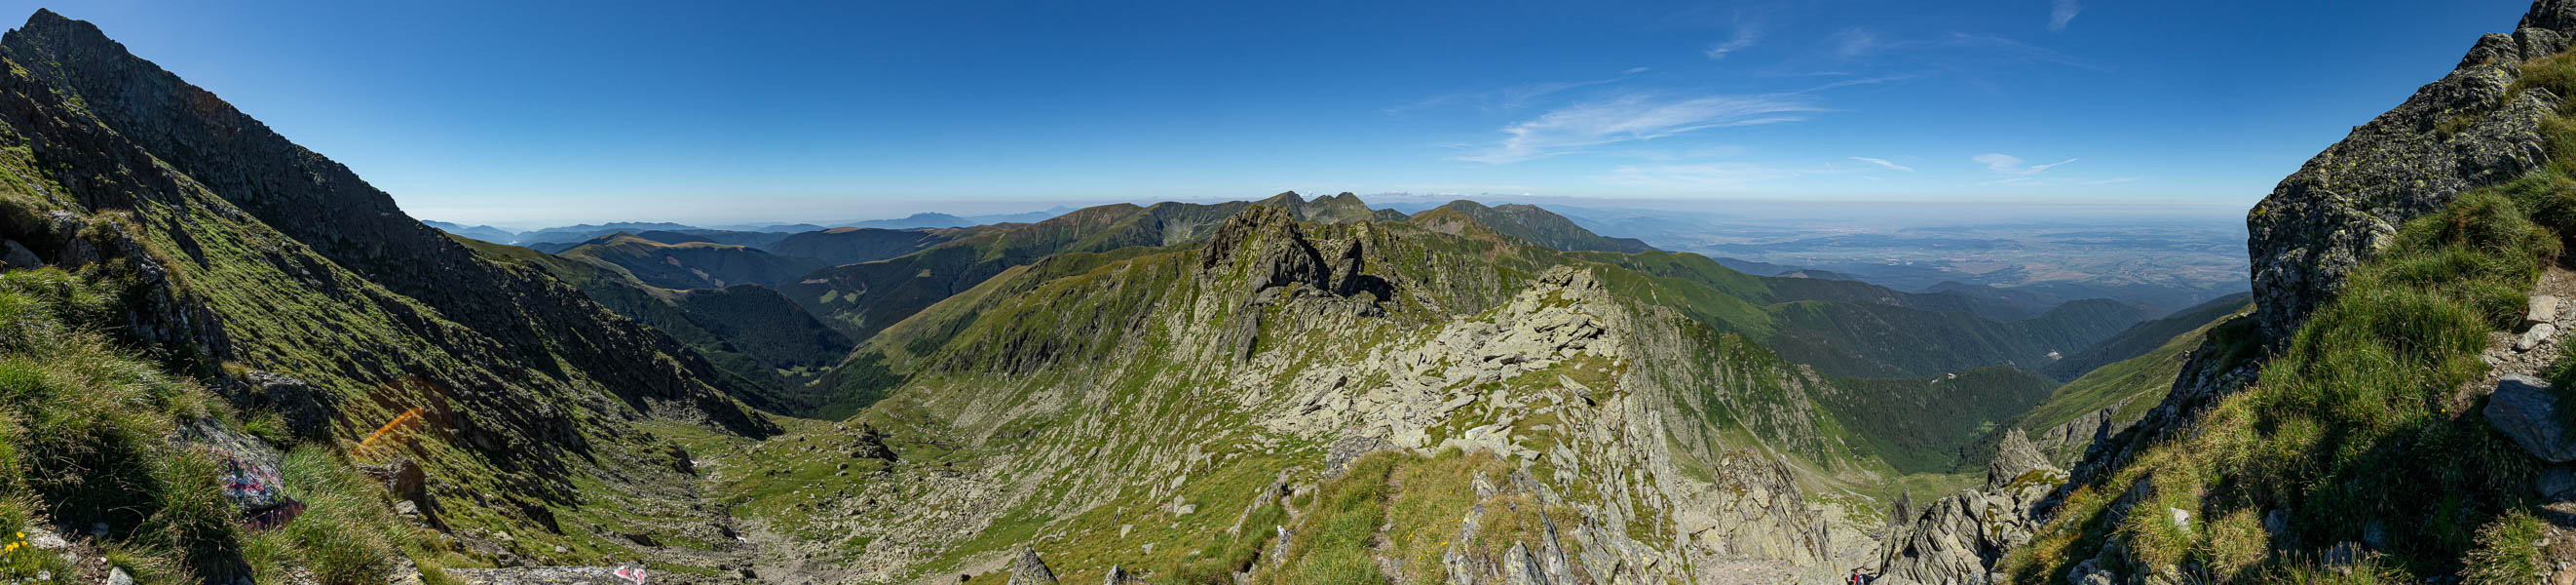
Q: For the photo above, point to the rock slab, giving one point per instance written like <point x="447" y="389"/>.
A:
<point x="2526" y="410"/>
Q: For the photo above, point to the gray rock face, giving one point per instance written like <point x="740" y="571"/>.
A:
<point x="2013" y="457"/>
<point x="2467" y="130"/>
<point x="1030" y="570"/>
<point x="1958" y="539"/>
<point x="306" y="412"/>
<point x="2066" y="443"/>
<point x="2526" y="410"/>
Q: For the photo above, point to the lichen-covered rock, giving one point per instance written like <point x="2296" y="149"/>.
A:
<point x="2469" y="129"/>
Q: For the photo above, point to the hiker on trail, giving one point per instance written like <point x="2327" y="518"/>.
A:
<point x="1854" y="579"/>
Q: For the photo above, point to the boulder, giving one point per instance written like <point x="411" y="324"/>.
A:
<point x="2543" y="309"/>
<point x="14" y="256"/>
<point x="2526" y="410"/>
<point x="2534" y="337"/>
<point x="248" y="465"/>
<point x="1031" y="570"/>
<point x="306" y="411"/>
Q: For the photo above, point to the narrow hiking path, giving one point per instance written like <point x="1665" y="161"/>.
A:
<point x="2509" y="353"/>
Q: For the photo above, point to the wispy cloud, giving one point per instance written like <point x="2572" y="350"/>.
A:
<point x="2062" y="12"/>
<point x="1510" y="98"/>
<point x="1853" y="42"/>
<point x="2054" y="182"/>
<point x="1703" y="176"/>
<point x="2017" y="50"/>
<point x="2012" y="165"/>
<point x="1639" y="117"/>
<point x="1746" y="34"/>
<point x="1884" y="163"/>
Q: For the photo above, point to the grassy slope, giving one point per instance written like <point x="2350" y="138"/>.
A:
<point x="749" y="333"/>
<point x="529" y="381"/>
<point x="2354" y="426"/>
<point x="1919" y="424"/>
<point x="1529" y="223"/>
<point x="849" y="245"/>
<point x="1862" y="330"/>
<point x="691" y="265"/>
<point x="2137" y="383"/>
<point x="2145" y="338"/>
<point x="85" y="443"/>
<point x="1070" y="328"/>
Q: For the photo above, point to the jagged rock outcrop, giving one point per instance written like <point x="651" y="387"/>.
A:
<point x="2469" y="129"/>
<point x="2067" y="442"/>
<point x="1028" y="569"/>
<point x="1957" y="539"/>
<point x="869" y="443"/>
<point x="1277" y="254"/>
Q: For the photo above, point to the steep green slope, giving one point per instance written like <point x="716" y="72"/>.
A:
<point x="862" y="298"/>
<point x="113" y="164"/>
<point x="2145" y="337"/>
<point x="1885" y="340"/>
<point x="850" y="245"/>
<point x="689" y="265"/>
<point x="1540" y="227"/>
<point x="1919" y="425"/>
<point x="751" y="334"/>
<point x="2356" y="426"/>
<point x="1851" y="328"/>
<point x="2133" y="385"/>
<point x="92" y="441"/>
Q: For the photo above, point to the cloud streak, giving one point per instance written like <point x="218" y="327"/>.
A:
<point x="1884" y="163"/>
<point x="2012" y="165"/>
<point x="2061" y="12"/>
<point x="1639" y="117"/>
<point x="1510" y="98"/>
<point x="1746" y="34"/>
<point x="1702" y="176"/>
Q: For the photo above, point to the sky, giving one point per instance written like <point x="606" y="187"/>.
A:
<point x="526" y="114"/>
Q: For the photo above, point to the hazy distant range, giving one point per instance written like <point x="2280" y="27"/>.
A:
<point x="2162" y="259"/>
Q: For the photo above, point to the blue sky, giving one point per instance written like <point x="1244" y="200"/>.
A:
<point x="715" y="112"/>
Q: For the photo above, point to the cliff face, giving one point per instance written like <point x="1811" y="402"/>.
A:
<point x="2472" y="128"/>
